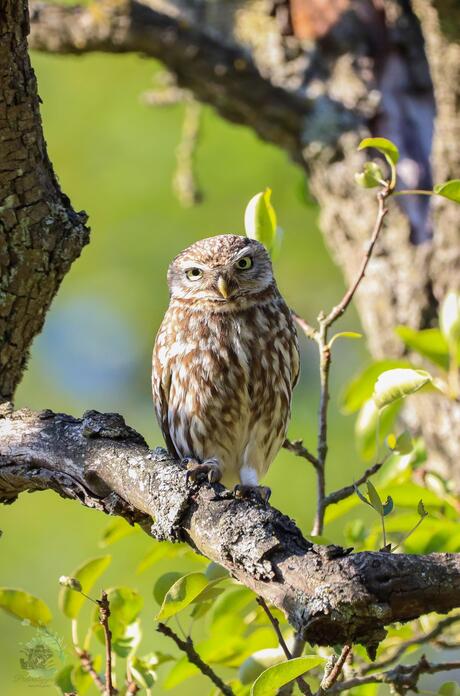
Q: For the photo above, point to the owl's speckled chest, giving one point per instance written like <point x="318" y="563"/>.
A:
<point x="223" y="383"/>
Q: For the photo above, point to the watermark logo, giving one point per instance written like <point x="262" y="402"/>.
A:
<point x="41" y="658"/>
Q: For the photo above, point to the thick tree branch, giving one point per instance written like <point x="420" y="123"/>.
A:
<point x="40" y="233"/>
<point x="326" y="594"/>
<point x="217" y="70"/>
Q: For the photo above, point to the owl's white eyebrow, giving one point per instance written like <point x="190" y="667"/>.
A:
<point x="189" y="263"/>
<point x="241" y="253"/>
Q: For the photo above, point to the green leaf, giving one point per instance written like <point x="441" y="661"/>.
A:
<point x="116" y="529"/>
<point x="70" y="602"/>
<point x="449" y="689"/>
<point x="397" y="384"/>
<point x="360" y="388"/>
<point x="421" y="509"/>
<point x="163" y="584"/>
<point x="125" y="606"/>
<point x="371" y="176"/>
<point x="450" y="189"/>
<point x="388" y="506"/>
<point x="180" y="671"/>
<point x="403" y="444"/>
<point x="229" y="612"/>
<point x="430" y="343"/>
<point x="63" y="679"/>
<point x="143" y="672"/>
<point x="181" y="594"/>
<point x="374" y="498"/>
<point x="81" y="679"/>
<point x="277" y="676"/>
<point x="159" y="551"/>
<point x="260" y="219"/>
<point x="372" y="421"/>
<point x="386" y="147"/>
<point x="258" y="662"/>
<point x="24" y="606"/>
<point x="345" y="334"/>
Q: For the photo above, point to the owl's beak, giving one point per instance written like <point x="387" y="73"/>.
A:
<point x="222" y="287"/>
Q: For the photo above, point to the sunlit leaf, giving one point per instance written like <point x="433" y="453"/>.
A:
<point x="180" y="671"/>
<point x="117" y="529"/>
<point x="63" y="679"/>
<point x="143" y="672"/>
<point x="268" y="683"/>
<point x="71" y="602"/>
<point x="229" y="610"/>
<point x="360" y="388"/>
<point x="258" y="662"/>
<point x="383" y="145"/>
<point x="393" y="385"/>
<point x="181" y="594"/>
<point x="371" y="176"/>
<point x="374" y="498"/>
<point x="260" y="219"/>
<point x="430" y="343"/>
<point x="450" y="189"/>
<point x="449" y="689"/>
<point x="449" y="318"/>
<point x="24" y="606"/>
<point x="421" y="509"/>
<point x="371" y="422"/>
<point x="159" y="551"/>
<point x="164" y="583"/>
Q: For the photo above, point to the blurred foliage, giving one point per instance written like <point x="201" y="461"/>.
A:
<point x="114" y="157"/>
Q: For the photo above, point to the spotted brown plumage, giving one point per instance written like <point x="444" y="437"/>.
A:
<point x="225" y="359"/>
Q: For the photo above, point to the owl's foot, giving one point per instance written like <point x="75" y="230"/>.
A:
<point x="196" y="470"/>
<point x="263" y="493"/>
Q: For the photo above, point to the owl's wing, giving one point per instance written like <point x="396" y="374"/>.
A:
<point x="161" y="382"/>
<point x="295" y="359"/>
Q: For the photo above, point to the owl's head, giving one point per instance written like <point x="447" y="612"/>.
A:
<point x="221" y="269"/>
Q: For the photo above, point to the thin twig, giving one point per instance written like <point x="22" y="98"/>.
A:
<point x="402" y="677"/>
<point x="321" y="337"/>
<point x="104" y="614"/>
<point x="416" y="641"/>
<point x="308" y="330"/>
<point x="332" y="676"/>
<point x="347" y="491"/>
<point x="87" y="665"/>
<point x="339" y="309"/>
<point x="187" y="647"/>
<point x="302" y="684"/>
<point x="298" y="448"/>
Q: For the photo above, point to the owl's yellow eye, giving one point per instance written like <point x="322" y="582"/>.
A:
<point x="244" y="263"/>
<point x="194" y="273"/>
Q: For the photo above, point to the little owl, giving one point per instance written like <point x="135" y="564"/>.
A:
<point x="225" y="362"/>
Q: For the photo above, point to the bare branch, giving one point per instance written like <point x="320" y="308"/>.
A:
<point x="299" y="450"/>
<point x="188" y="648"/>
<point x="402" y="678"/>
<point x="416" y="641"/>
<point x="347" y="491"/>
<point x="326" y="594"/>
<point x="104" y="615"/>
<point x="332" y="676"/>
<point x="303" y="686"/>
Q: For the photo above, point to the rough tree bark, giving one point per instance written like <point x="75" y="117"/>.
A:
<point x="329" y="595"/>
<point x="324" y="87"/>
<point x="40" y="233"/>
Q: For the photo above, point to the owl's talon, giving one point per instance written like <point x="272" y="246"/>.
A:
<point x="209" y="469"/>
<point x="263" y="493"/>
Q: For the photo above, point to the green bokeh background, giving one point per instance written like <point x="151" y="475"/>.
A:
<point x="115" y="158"/>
